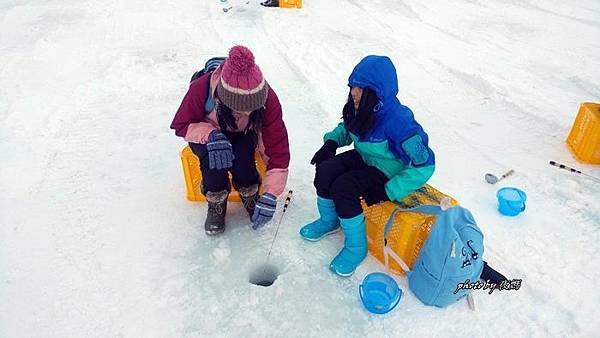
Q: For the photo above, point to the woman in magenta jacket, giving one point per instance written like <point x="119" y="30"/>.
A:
<point x="225" y="115"/>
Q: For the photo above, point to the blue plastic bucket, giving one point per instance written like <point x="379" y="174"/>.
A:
<point x="379" y="293"/>
<point x="511" y="201"/>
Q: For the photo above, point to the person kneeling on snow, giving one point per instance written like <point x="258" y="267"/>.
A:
<point x="391" y="159"/>
<point x="225" y="116"/>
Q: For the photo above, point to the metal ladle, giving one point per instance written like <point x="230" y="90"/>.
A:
<point x="492" y="179"/>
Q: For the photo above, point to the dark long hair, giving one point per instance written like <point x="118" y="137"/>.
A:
<point x="360" y="121"/>
<point x="226" y="119"/>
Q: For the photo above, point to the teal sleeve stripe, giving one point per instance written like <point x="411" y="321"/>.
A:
<point x="340" y="135"/>
<point x="408" y="181"/>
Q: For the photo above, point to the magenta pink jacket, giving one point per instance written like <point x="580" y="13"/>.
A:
<point x="194" y="125"/>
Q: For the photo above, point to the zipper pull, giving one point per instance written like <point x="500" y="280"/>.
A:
<point x="453" y="250"/>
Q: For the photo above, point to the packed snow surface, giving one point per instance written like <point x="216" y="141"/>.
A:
<point x="97" y="238"/>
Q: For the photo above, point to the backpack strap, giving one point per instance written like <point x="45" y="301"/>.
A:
<point x="387" y="252"/>
<point x="429" y="209"/>
<point x="209" y="105"/>
<point x="209" y="67"/>
<point x="213" y="63"/>
<point x="471" y="301"/>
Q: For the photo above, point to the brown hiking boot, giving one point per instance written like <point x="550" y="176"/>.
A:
<point x="249" y="195"/>
<point x="217" y="208"/>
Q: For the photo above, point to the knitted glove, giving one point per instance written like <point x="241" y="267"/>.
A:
<point x="220" y="152"/>
<point x="326" y="152"/>
<point x="264" y="210"/>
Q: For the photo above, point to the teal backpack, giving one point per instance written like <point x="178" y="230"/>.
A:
<point x="210" y="66"/>
<point x="452" y="254"/>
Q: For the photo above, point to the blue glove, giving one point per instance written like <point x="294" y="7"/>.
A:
<point x="264" y="210"/>
<point x="220" y="152"/>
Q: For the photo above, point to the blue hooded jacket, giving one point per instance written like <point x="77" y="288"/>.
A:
<point x="397" y="145"/>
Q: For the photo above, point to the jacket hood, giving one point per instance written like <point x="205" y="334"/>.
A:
<point x="377" y="73"/>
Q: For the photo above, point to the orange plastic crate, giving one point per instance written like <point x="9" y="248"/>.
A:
<point x="193" y="175"/>
<point x="290" y="3"/>
<point x="584" y="138"/>
<point x="409" y="231"/>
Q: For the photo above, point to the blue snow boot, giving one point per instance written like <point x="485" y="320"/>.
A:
<point x="327" y="224"/>
<point x="355" y="246"/>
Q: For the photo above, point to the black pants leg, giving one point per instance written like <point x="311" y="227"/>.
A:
<point x="347" y="189"/>
<point x="212" y="179"/>
<point x="244" y="167"/>
<point x="328" y="171"/>
<point x="345" y="178"/>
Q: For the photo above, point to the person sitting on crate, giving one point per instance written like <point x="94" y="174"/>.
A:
<point x="391" y="159"/>
<point x="225" y="115"/>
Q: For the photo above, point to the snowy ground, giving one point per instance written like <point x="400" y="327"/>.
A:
<point x="97" y="239"/>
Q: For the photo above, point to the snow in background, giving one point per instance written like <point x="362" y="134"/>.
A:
<point x="97" y="239"/>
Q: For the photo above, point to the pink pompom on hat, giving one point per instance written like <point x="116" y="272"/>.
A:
<point x="242" y="86"/>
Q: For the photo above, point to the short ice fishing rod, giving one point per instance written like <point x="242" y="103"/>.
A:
<point x="287" y="202"/>
<point x="573" y="170"/>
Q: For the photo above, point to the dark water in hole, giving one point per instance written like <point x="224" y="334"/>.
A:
<point x="264" y="275"/>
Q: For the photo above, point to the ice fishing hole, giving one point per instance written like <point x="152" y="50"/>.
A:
<point x="264" y="275"/>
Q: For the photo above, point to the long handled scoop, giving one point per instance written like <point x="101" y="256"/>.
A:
<point x="492" y="179"/>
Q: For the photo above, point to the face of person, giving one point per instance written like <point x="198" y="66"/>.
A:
<point x="356" y="93"/>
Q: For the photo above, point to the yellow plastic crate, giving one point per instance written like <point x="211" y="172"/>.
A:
<point x="584" y="138"/>
<point x="290" y="3"/>
<point x="193" y="175"/>
<point x="409" y="230"/>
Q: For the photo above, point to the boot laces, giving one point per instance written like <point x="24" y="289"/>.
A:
<point x="249" y="202"/>
<point x="216" y="207"/>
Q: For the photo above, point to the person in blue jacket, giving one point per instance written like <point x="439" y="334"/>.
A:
<point x="390" y="160"/>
